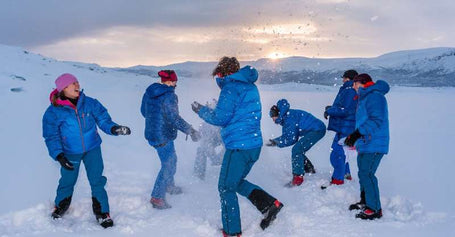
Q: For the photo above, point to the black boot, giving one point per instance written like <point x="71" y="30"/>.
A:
<point x="104" y="219"/>
<point x="308" y="167"/>
<point x="61" y="208"/>
<point x="359" y="205"/>
<point x="266" y="204"/>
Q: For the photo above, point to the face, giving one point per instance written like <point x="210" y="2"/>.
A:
<point x="345" y="79"/>
<point x="274" y="119"/>
<point x="170" y="83"/>
<point x="357" y="85"/>
<point x="72" y="91"/>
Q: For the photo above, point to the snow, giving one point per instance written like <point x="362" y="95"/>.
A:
<point x="415" y="179"/>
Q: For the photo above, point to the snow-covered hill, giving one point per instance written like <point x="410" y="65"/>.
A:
<point x="433" y="67"/>
<point x="415" y="178"/>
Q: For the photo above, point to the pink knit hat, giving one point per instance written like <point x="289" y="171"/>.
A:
<point x="65" y="80"/>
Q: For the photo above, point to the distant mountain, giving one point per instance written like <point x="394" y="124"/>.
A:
<point x="434" y="67"/>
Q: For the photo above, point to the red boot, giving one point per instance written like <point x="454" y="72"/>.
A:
<point x="297" y="180"/>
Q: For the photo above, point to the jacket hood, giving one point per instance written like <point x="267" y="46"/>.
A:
<point x="247" y="74"/>
<point x="158" y="89"/>
<point x="283" y="106"/>
<point x="380" y="86"/>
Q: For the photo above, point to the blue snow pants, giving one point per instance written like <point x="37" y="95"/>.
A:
<point x="234" y="169"/>
<point x="338" y="159"/>
<point x="165" y="177"/>
<point x="302" y="146"/>
<point x="368" y="164"/>
<point x="93" y="163"/>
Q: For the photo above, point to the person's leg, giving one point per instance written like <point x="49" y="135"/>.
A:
<point x="167" y="157"/>
<point x="67" y="180"/>
<point x="94" y="167"/>
<point x="368" y="164"/>
<point x="236" y="166"/>
<point x="301" y="147"/>
<point x="338" y="159"/>
<point x="200" y="162"/>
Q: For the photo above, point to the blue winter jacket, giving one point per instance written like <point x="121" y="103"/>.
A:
<point x="238" y="111"/>
<point x="161" y="112"/>
<point x="296" y="123"/>
<point x="342" y="112"/>
<point x="372" y="119"/>
<point x="73" y="130"/>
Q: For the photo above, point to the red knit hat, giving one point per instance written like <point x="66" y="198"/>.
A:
<point x="167" y="75"/>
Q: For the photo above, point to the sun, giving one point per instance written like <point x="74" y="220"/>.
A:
<point x="276" y="55"/>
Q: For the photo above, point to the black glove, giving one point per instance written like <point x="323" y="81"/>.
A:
<point x="65" y="163"/>
<point x="271" y="143"/>
<point x="352" y="138"/>
<point x="195" y="135"/>
<point x="120" y="130"/>
<point x="195" y="106"/>
<point x="326" y="115"/>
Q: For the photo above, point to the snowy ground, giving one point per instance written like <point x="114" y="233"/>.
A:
<point x="416" y="180"/>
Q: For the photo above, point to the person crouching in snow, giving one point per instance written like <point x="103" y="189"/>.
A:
<point x="211" y="147"/>
<point x="162" y="120"/>
<point x="71" y="136"/>
<point x="341" y="115"/>
<point x="238" y="113"/>
<point x="300" y="129"/>
<point x="371" y="139"/>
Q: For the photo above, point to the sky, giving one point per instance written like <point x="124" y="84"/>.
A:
<point x="122" y="33"/>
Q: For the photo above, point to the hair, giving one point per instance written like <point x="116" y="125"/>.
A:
<point x="226" y="66"/>
<point x="56" y="96"/>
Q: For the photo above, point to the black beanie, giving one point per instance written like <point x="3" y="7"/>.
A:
<point x="350" y="74"/>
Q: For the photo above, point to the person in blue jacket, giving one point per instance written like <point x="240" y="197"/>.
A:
<point x="371" y="139"/>
<point x="238" y="113"/>
<point x="300" y="129"/>
<point x="71" y="136"/>
<point x="341" y="115"/>
<point x="162" y="120"/>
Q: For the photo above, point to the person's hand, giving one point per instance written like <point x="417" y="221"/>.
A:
<point x="120" y="130"/>
<point x="352" y="138"/>
<point x="65" y="163"/>
<point x="195" y="106"/>
<point x="195" y="135"/>
<point x="271" y="143"/>
<point x="326" y="115"/>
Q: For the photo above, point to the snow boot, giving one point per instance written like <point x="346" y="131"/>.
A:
<point x="271" y="213"/>
<point x="333" y="182"/>
<point x="61" y="208"/>
<point x="104" y="219"/>
<point x="297" y="180"/>
<point x="227" y="235"/>
<point x="266" y="204"/>
<point x="359" y="205"/>
<point x="174" y="190"/>
<point x="308" y="167"/>
<point x="368" y="214"/>
<point x="159" y="203"/>
<point x="348" y="176"/>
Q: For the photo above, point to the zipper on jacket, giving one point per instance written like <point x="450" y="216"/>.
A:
<point x="80" y="130"/>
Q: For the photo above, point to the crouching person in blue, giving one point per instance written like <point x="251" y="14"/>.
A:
<point x="371" y="139"/>
<point x="71" y="136"/>
<point x="162" y="120"/>
<point x="300" y="129"/>
<point x="238" y="113"/>
<point x="341" y="115"/>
